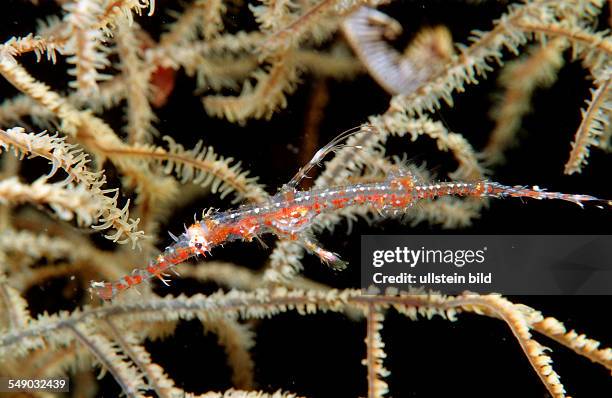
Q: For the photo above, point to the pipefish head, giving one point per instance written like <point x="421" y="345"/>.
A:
<point x="199" y="237"/>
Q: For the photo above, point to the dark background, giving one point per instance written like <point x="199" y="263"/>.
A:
<point x="320" y="356"/>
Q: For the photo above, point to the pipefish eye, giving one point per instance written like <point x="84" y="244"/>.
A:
<point x="198" y="245"/>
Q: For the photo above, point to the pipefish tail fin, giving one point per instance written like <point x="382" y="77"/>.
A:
<point x="535" y="192"/>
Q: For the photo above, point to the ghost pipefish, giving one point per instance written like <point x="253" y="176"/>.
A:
<point x="290" y="213"/>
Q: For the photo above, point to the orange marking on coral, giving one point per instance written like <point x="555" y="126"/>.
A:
<point x="162" y="80"/>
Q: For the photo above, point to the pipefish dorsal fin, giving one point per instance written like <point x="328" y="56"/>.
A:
<point x="334" y="145"/>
